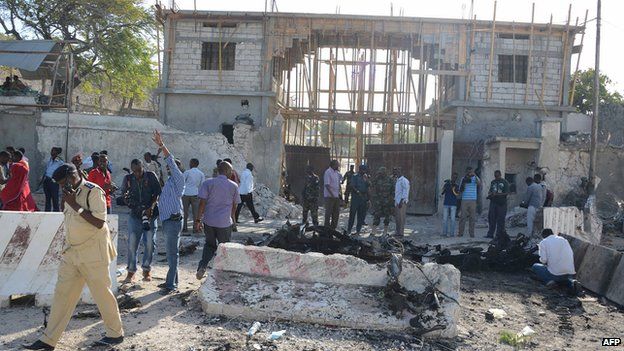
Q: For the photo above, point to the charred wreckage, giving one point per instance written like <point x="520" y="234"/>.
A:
<point x="502" y="254"/>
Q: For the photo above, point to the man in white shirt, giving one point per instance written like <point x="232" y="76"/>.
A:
<point x="193" y="179"/>
<point x="331" y="193"/>
<point x="401" y="198"/>
<point x="557" y="261"/>
<point x="245" y="190"/>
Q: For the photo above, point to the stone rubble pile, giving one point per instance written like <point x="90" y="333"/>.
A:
<point x="274" y="206"/>
<point x="516" y="217"/>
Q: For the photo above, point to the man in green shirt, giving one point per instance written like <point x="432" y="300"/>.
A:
<point x="499" y="189"/>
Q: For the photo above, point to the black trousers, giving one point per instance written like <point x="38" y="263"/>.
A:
<point x="214" y="237"/>
<point x="247" y="199"/>
<point x="51" y="191"/>
<point x="496" y="218"/>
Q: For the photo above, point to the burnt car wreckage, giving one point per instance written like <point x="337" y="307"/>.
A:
<point x="502" y="254"/>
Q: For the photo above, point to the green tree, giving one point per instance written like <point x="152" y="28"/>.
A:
<point x="111" y="39"/>
<point x="584" y="91"/>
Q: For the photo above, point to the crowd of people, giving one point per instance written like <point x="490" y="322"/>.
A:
<point x="463" y="194"/>
<point x="385" y="195"/>
<point x="158" y="198"/>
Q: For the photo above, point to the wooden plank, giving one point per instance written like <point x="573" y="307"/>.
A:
<point x="440" y="72"/>
<point x="541" y="96"/>
<point x="564" y="56"/>
<point x="490" y="67"/>
<point x="469" y="69"/>
<point x="529" y="77"/>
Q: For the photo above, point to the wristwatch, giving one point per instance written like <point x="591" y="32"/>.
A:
<point x="80" y="210"/>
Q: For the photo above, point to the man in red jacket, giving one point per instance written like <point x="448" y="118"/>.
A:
<point x="16" y="194"/>
<point x="101" y="176"/>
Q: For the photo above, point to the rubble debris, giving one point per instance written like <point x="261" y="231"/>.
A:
<point x="276" y="335"/>
<point x="517" y="217"/>
<point x="273" y="206"/>
<point x="401" y="299"/>
<point x="185" y="250"/>
<point x="189" y="248"/>
<point x="126" y="301"/>
<point x="87" y="314"/>
<point x="503" y="254"/>
<point x="254" y="329"/>
<point x="185" y="297"/>
<point x="304" y="239"/>
<point x="495" y="313"/>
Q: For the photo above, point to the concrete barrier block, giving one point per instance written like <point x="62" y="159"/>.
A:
<point x="579" y="247"/>
<point x="615" y="292"/>
<point x="311" y="267"/>
<point x="30" y="252"/>
<point x="261" y="283"/>
<point x="597" y="268"/>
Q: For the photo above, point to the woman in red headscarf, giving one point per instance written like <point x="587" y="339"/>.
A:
<point x="16" y="194"/>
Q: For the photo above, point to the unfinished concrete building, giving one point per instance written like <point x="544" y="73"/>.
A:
<point x="431" y="95"/>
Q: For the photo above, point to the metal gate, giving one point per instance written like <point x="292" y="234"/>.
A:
<point x="419" y="163"/>
<point x="297" y="159"/>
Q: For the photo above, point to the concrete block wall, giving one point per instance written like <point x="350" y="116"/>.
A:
<point x="186" y="69"/>
<point x="513" y="93"/>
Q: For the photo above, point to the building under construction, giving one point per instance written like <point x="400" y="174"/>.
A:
<point x="429" y="94"/>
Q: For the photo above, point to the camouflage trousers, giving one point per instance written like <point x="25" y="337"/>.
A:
<point x="312" y="207"/>
<point x="384" y="212"/>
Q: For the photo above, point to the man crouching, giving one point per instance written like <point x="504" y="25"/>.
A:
<point x="85" y="259"/>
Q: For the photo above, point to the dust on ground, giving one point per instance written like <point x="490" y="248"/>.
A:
<point x="176" y="322"/>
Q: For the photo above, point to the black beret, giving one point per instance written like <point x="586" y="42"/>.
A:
<point x="63" y="171"/>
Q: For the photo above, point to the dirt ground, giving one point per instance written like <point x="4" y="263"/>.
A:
<point x="176" y="322"/>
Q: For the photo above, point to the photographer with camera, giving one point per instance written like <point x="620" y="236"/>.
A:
<point x="170" y="208"/>
<point x="141" y="190"/>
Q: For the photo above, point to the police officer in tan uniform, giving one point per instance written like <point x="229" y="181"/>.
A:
<point x="86" y="258"/>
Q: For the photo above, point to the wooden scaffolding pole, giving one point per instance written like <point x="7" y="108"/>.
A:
<point x="469" y="69"/>
<point x="564" y="56"/>
<point x="530" y="58"/>
<point x="578" y="61"/>
<point x="546" y="52"/>
<point x="491" y="64"/>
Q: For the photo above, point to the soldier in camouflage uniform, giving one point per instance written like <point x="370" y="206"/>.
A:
<point x="382" y="199"/>
<point x="310" y="196"/>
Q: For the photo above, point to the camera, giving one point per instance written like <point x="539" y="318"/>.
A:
<point x="145" y="220"/>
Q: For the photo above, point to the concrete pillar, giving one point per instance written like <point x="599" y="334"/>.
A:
<point x="445" y="161"/>
<point x="550" y="131"/>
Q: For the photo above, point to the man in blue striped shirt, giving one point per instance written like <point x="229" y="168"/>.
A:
<point x="469" y="188"/>
<point x="170" y="213"/>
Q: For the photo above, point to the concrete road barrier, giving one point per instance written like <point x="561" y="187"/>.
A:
<point x="601" y="269"/>
<point x="31" y="244"/>
<point x="253" y="282"/>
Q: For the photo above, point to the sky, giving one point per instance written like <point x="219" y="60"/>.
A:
<point x="611" y="52"/>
